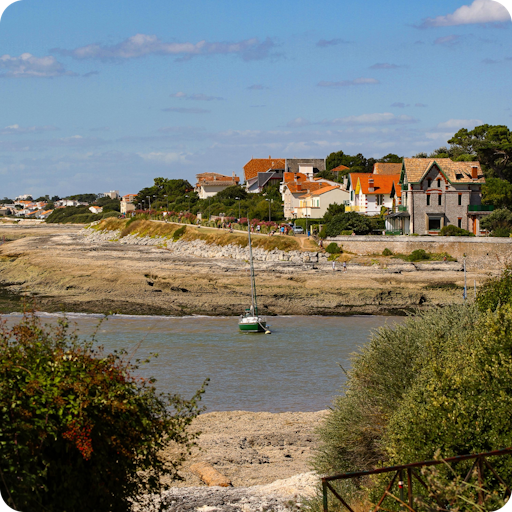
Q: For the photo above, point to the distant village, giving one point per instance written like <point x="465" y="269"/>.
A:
<point x="416" y="196"/>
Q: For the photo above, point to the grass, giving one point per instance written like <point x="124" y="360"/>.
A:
<point x="188" y="233"/>
<point x="425" y="256"/>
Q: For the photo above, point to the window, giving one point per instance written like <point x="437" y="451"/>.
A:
<point x="380" y="199"/>
<point x="439" y="185"/>
<point x="434" y="224"/>
<point x="351" y="195"/>
<point x="439" y="199"/>
<point x="428" y="199"/>
<point x="459" y="222"/>
<point x="429" y="183"/>
<point x="460" y="201"/>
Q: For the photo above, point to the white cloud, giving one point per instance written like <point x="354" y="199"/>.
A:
<point x="457" y="124"/>
<point x="17" y="129"/>
<point x="195" y="97"/>
<point x="299" y="121"/>
<point x="28" y="66"/>
<point x="347" y="83"/>
<point x="480" y="11"/>
<point x="141" y="45"/>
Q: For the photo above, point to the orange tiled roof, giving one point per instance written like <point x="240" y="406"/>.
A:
<point x="415" y="169"/>
<point x="382" y="184"/>
<point x="288" y="177"/>
<point x="256" y="165"/>
<point x="323" y="190"/>
<point x="387" y="168"/>
<point x="340" y="168"/>
<point x="304" y="187"/>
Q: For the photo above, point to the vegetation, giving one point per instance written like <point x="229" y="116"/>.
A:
<point x="357" y="163"/>
<point x="79" y="429"/>
<point x="82" y="198"/>
<point x="437" y="384"/>
<point x="77" y="215"/>
<point x="499" y="222"/>
<point x="333" y="248"/>
<point x="350" y="221"/>
<point x="452" y="230"/>
<point x="387" y="252"/>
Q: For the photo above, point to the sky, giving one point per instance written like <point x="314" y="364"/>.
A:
<point x="108" y="95"/>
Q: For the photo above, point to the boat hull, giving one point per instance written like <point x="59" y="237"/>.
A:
<point x="253" y="326"/>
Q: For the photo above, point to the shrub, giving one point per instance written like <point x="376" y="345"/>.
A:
<point x="501" y="232"/>
<point x="179" y="233"/>
<point x="452" y="230"/>
<point x="418" y="255"/>
<point x="386" y="252"/>
<point x="495" y="292"/>
<point x="79" y="431"/>
<point x="346" y="232"/>
<point x="322" y="234"/>
<point x="350" y="221"/>
<point x="333" y="248"/>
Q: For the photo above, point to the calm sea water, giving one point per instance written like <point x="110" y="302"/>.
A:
<point x="296" y="368"/>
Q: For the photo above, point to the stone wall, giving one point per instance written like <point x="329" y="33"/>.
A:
<point x="480" y="251"/>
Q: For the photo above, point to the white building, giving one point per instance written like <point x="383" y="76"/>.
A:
<point x="370" y="192"/>
<point x="314" y="204"/>
<point x="211" y="183"/>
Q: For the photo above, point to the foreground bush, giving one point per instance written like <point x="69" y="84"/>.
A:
<point x="333" y="248"/>
<point x="78" y="431"/>
<point x="452" y="230"/>
<point x="440" y="383"/>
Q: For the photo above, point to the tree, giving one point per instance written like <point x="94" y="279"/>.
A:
<point x="491" y="145"/>
<point x="357" y="163"/>
<point x="332" y="210"/>
<point x="43" y="198"/>
<point x="232" y="193"/>
<point x="500" y="219"/>
<point x="55" y="198"/>
<point x="391" y="158"/>
<point x="84" y="198"/>
<point x="497" y="192"/>
<point x="351" y="221"/>
<point x="78" y="429"/>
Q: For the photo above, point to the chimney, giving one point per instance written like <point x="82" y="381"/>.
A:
<point x="474" y="172"/>
<point x="299" y="186"/>
<point x="370" y="185"/>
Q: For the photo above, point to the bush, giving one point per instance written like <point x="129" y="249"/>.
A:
<point x="79" y="431"/>
<point x="179" y="233"/>
<point x="322" y="234"/>
<point x="495" y="292"/>
<point x="418" y="255"/>
<point x="350" y="221"/>
<point x="452" y="230"/>
<point x="333" y="248"/>
<point x="501" y="232"/>
<point x="386" y="252"/>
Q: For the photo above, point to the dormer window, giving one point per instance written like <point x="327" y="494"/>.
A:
<point x="429" y="181"/>
<point x="438" y="183"/>
<point x="458" y="176"/>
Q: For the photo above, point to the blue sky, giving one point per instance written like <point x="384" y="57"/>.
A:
<point x="109" y="95"/>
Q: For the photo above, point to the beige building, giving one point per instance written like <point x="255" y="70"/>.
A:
<point x="314" y="205"/>
<point x="211" y="183"/>
<point x="127" y="203"/>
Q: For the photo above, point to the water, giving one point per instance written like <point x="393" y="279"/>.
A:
<point x="296" y="368"/>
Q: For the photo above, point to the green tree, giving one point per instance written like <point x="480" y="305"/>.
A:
<point x="78" y="429"/>
<point x="501" y="218"/>
<point x="357" y="163"/>
<point x="332" y="210"/>
<point x="352" y="221"/>
<point x="391" y="158"/>
<point x="83" y="198"/>
<point x="232" y="193"/>
<point x="497" y="192"/>
<point x="491" y="145"/>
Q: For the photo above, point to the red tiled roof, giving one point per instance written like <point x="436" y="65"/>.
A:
<point x="213" y="176"/>
<point x="291" y="176"/>
<point x="304" y="187"/>
<point x="340" y="168"/>
<point x="382" y="183"/>
<point x="323" y="190"/>
<point x="256" y="165"/>
<point x="386" y="168"/>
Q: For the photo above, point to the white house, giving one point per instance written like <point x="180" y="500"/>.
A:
<point x="95" y="209"/>
<point x="211" y="183"/>
<point x="314" y="204"/>
<point x="370" y="192"/>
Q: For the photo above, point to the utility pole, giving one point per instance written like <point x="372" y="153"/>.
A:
<point x="465" y="284"/>
<point x="238" y="199"/>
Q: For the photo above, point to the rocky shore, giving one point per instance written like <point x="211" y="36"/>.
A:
<point x="77" y="270"/>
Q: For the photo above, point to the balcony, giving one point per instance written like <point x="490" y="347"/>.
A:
<point x="402" y="208"/>
<point x="480" y="208"/>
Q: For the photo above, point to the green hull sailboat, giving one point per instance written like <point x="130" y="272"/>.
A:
<point x="251" y="321"/>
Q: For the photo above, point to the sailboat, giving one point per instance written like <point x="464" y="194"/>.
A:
<point x="251" y="321"/>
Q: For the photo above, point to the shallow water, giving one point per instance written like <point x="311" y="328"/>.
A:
<point x="296" y="368"/>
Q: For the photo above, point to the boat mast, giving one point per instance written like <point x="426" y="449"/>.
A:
<point x="253" y="283"/>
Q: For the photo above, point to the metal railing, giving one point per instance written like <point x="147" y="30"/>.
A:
<point x="480" y="463"/>
<point x="480" y="208"/>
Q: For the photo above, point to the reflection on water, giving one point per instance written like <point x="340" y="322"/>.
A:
<point x="296" y="368"/>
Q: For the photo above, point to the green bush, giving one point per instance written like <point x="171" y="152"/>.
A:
<point x="350" y="221"/>
<point x="501" y="232"/>
<point x="346" y="232"/>
<point x="322" y="234"/>
<point x="437" y="384"/>
<point x="386" y="252"/>
<point x="179" y="233"/>
<point x="452" y="230"/>
<point x="333" y="248"/>
<point x="418" y="255"/>
<point x="78" y="429"/>
<point x="495" y="292"/>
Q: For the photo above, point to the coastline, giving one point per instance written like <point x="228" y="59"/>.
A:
<point x="64" y="271"/>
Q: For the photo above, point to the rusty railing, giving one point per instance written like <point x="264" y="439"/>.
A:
<point x="479" y="464"/>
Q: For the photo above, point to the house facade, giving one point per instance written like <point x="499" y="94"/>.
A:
<point x="369" y="193"/>
<point x="211" y="183"/>
<point x="315" y="203"/>
<point x="293" y="190"/>
<point x="127" y="203"/>
<point x="439" y="192"/>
